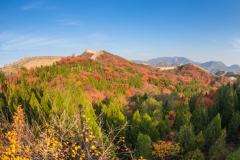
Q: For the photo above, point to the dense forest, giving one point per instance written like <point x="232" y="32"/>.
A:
<point x="111" y="108"/>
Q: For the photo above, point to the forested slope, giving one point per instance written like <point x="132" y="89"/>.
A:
<point x="112" y="108"/>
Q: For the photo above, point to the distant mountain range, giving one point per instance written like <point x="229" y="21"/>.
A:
<point x="212" y="66"/>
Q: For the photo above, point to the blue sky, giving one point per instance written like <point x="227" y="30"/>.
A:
<point x="201" y="30"/>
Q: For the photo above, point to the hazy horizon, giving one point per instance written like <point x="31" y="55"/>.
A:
<point x="199" y="30"/>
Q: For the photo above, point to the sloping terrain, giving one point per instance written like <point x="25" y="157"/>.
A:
<point x="119" y="72"/>
<point x="71" y="107"/>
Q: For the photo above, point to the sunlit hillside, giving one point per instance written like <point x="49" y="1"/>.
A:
<point x="108" y="108"/>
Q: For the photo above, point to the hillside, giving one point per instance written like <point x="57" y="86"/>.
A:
<point x="230" y="74"/>
<point x="119" y="73"/>
<point x="30" y="62"/>
<point x="161" y="64"/>
<point x="220" y="73"/>
<point x="77" y="103"/>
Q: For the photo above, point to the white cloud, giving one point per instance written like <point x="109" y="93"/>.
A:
<point x="98" y="36"/>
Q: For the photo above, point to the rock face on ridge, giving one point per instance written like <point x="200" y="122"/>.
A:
<point x="161" y="64"/>
<point x="220" y="73"/>
<point x="230" y="74"/>
<point x="174" y="64"/>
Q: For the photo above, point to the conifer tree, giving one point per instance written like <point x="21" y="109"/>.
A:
<point x="179" y="120"/>
<point x="199" y="140"/>
<point x="234" y="155"/>
<point x="192" y="103"/>
<point x="212" y="111"/>
<point x="157" y="117"/>
<point x="233" y="125"/>
<point x="148" y="128"/>
<point x="114" y="116"/>
<point x="143" y="146"/>
<point x="168" y="125"/>
<point x="145" y="96"/>
<point x="34" y="110"/>
<point x="228" y="110"/>
<point x="236" y="101"/>
<point x="186" y="138"/>
<point x="135" y="126"/>
<point x="200" y="118"/>
<point x="217" y="150"/>
<point x="166" y="106"/>
<point x="213" y="130"/>
<point x="58" y="105"/>
<point x="221" y="100"/>
<point x="162" y="128"/>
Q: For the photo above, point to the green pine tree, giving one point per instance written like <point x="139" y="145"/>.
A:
<point x="186" y="138"/>
<point x="168" y="125"/>
<point x="179" y="120"/>
<point x="143" y="146"/>
<point x="233" y="126"/>
<point x="213" y="131"/>
<point x="228" y="110"/>
<point x="217" y="150"/>
<point x="199" y="140"/>
<point x="135" y="126"/>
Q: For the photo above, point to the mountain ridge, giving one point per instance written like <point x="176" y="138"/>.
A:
<point x="211" y="66"/>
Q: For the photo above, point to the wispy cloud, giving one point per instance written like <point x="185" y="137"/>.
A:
<point x="98" y="36"/>
<point x="36" y="5"/>
<point x="236" y="43"/>
<point x="11" y="41"/>
<point x="68" y="22"/>
<point x="30" y="6"/>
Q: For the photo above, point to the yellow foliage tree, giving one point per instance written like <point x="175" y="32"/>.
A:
<point x="165" y="149"/>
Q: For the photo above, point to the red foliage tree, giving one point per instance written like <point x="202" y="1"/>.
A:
<point x="97" y="77"/>
<point x="51" y="83"/>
